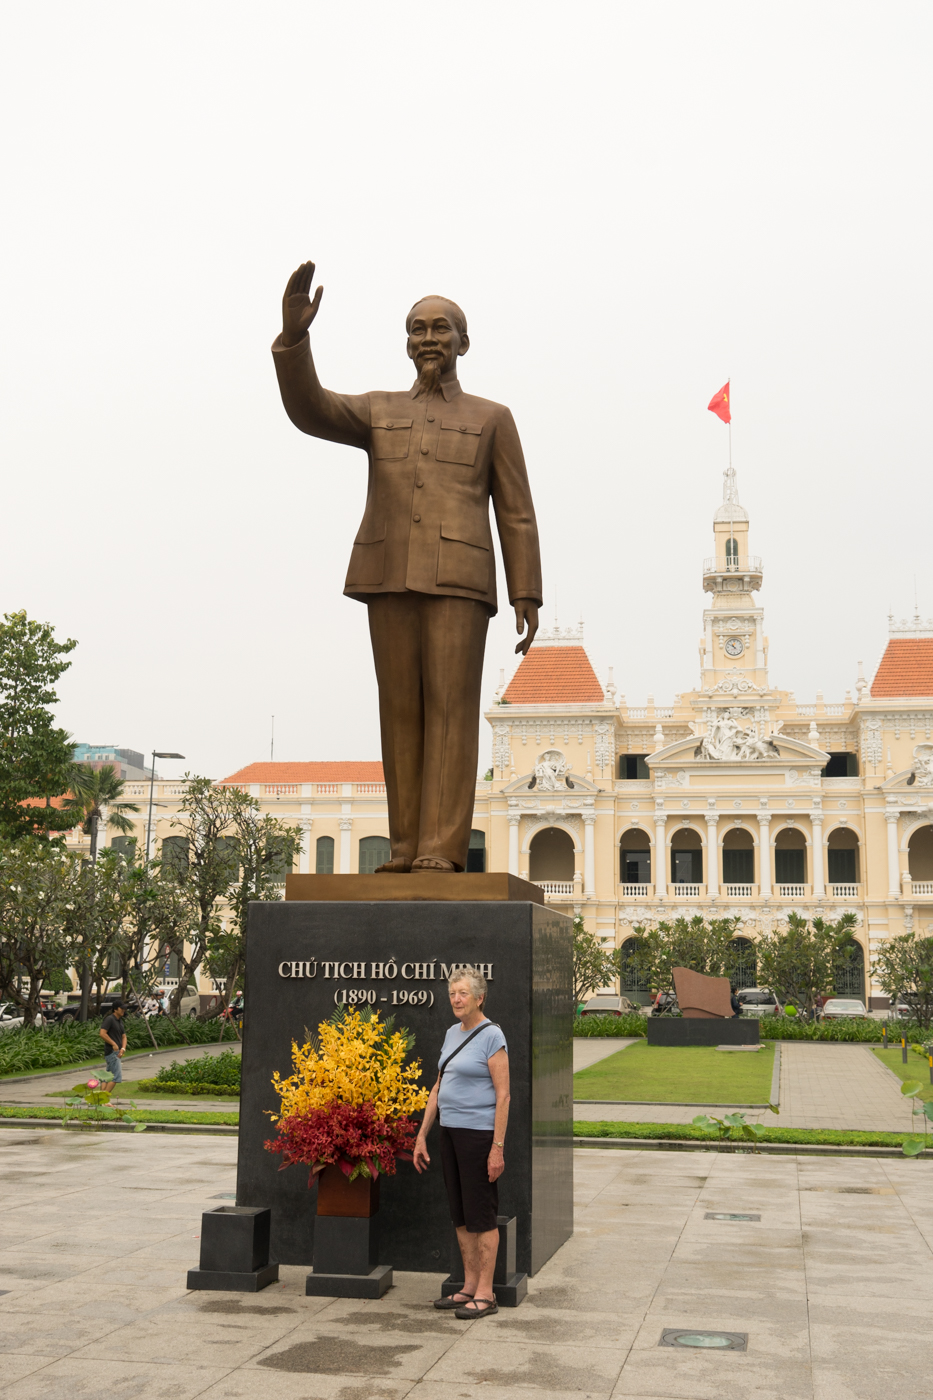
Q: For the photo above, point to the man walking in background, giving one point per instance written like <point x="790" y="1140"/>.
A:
<point x="113" y="1034"/>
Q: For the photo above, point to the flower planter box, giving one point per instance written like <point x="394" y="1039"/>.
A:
<point x="346" y="1239"/>
<point x="234" y="1251"/>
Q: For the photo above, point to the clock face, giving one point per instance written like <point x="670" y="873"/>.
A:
<point x="735" y="646"/>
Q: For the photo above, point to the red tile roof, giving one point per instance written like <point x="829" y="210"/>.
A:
<point x="906" y="668"/>
<point x="353" y="772"/>
<point x="554" y="676"/>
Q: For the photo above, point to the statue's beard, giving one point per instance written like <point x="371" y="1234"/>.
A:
<point x="429" y="379"/>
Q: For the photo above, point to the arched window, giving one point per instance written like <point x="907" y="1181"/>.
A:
<point x="635" y="984"/>
<point x="738" y="858"/>
<point x="790" y="857"/>
<point x="124" y="846"/>
<point x="686" y="857"/>
<point x="850" y="978"/>
<point x="732" y="553"/>
<point x="175" y="859"/>
<point x="743" y="965"/>
<point x="551" y="855"/>
<point x="324" y="856"/>
<point x="842" y="862"/>
<point x="374" y="850"/>
<point x="635" y="857"/>
<point x="920" y="854"/>
<point x="476" y="855"/>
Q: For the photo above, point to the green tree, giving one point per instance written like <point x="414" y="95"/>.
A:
<point x="594" y="965"/>
<point x="35" y="755"/>
<point x="801" y="963"/>
<point x="94" y="790"/>
<point x="903" y="968"/>
<point x="266" y="849"/>
<point x="40" y="885"/>
<point x="703" y="945"/>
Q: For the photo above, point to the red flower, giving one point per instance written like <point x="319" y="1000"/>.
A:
<point x="349" y="1135"/>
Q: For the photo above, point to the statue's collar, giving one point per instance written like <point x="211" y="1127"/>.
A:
<point x="450" y="386"/>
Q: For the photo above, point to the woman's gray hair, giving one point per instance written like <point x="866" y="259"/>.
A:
<point x="471" y="975"/>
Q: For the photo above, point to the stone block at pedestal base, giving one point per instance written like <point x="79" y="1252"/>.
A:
<point x="702" y="1030"/>
<point x="509" y="1293"/>
<point x="371" y="1285"/>
<point x="224" y="1281"/>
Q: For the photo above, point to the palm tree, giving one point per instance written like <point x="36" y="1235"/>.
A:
<point x="92" y="790"/>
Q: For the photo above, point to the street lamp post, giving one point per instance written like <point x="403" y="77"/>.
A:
<point x="155" y="755"/>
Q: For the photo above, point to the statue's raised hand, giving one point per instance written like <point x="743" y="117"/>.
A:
<point x="298" y="310"/>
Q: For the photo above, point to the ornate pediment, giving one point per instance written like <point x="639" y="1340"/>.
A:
<point x="776" y="750"/>
<point x="552" y="775"/>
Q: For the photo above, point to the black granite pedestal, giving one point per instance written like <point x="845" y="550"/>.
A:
<point x="305" y="956"/>
<point x="702" y="1030"/>
<point x="234" y="1251"/>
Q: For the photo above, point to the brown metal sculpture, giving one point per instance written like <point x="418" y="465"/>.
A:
<point x="702" y="996"/>
<point x="423" y="559"/>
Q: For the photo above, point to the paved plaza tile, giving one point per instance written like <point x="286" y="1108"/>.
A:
<point x="833" y="1287"/>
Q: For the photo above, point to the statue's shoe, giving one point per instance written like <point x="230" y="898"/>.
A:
<point x="433" y="864"/>
<point x="393" y="867"/>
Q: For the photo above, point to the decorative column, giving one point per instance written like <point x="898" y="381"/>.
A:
<point x="816" y="821"/>
<point x="589" y="856"/>
<point x="712" y="855"/>
<point x="764" y="854"/>
<point x="514" y="819"/>
<point x="660" y="855"/>
<point x="304" y="852"/>
<point x="346" y="825"/>
<point x="894" y="864"/>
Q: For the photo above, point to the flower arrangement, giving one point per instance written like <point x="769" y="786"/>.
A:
<point x="350" y="1097"/>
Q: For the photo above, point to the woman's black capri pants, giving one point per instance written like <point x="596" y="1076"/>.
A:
<point x="473" y="1198"/>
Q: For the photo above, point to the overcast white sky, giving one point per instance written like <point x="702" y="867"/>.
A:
<point x="631" y="202"/>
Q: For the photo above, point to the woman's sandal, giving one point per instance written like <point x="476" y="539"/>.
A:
<point x="448" y="1304"/>
<point x="468" y="1311"/>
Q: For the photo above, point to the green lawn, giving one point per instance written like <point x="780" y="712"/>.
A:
<point x="915" y="1068"/>
<point x="142" y="1115"/>
<point x="679" y="1074"/>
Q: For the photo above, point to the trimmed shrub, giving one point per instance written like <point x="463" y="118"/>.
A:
<point x="179" y="1086"/>
<point x="633" y="1024"/>
<point x="209" y="1070"/>
<point x="26" y="1049"/>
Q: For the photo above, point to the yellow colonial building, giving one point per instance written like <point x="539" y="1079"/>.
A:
<point x="736" y="800"/>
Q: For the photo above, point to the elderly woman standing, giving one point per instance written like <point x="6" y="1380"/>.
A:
<point x="472" y="1096"/>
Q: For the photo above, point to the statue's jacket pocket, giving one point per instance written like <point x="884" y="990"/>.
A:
<point x="368" y="559"/>
<point x="458" y="442"/>
<point x="462" y="562"/>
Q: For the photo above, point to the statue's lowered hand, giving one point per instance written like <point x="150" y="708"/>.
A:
<point x="525" y="612"/>
<point x="298" y="310"/>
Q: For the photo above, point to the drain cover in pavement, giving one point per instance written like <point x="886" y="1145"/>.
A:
<point x="223" y="1196"/>
<point x="728" y="1215"/>
<point x="693" y="1337"/>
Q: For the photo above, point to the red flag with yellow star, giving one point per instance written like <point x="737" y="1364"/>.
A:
<point x="719" y="404"/>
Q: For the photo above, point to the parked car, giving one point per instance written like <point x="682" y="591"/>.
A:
<point x="665" y="1004"/>
<point x="608" y="1006"/>
<point x="190" y="1002"/>
<point x="838" y="1007"/>
<point x="759" y="1001"/>
<point x="10" y="1016"/>
<point x="64" y="1015"/>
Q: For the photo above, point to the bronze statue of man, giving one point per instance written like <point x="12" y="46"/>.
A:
<point x="423" y="559"/>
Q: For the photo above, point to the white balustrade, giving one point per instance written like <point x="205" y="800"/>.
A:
<point x="792" y="891"/>
<point x="848" y="891"/>
<point x="636" y="891"/>
<point x="370" y="789"/>
<point x="555" y="887"/>
<point x="326" y="788"/>
<point x="683" y="891"/>
<point x="637" y="712"/>
<point x="740" y="891"/>
<point x="280" y="789"/>
<point x="922" y="887"/>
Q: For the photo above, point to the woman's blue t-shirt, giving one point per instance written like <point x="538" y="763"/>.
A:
<point x="467" y="1097"/>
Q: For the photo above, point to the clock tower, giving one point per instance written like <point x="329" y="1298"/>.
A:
<point x="734" y="650"/>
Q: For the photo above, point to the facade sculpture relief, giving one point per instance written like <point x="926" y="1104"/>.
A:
<point x="729" y="741"/>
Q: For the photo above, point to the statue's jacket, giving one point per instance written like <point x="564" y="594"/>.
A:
<point x="433" y="466"/>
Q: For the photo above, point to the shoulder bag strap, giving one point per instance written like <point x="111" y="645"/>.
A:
<point x="454" y="1053"/>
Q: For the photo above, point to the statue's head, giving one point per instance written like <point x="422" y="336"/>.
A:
<point x="437" y="334"/>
